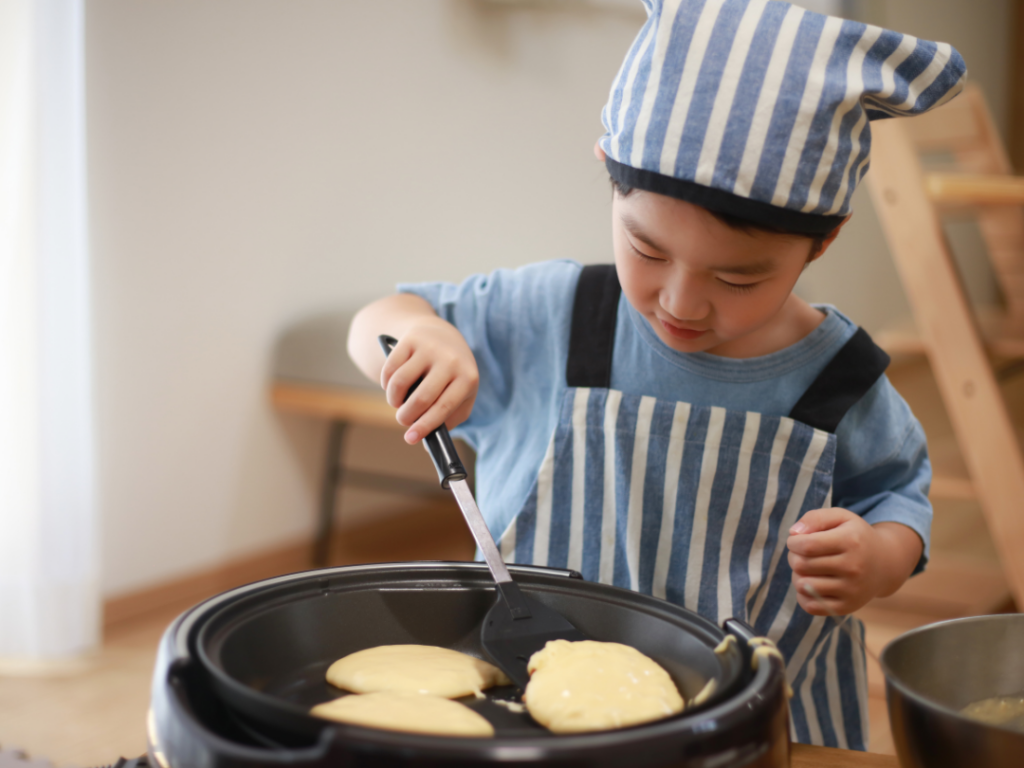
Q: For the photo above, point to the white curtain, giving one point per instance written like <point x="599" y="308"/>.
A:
<point x="49" y="586"/>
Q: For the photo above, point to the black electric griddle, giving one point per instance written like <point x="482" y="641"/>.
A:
<point x="236" y="676"/>
<point x="269" y="655"/>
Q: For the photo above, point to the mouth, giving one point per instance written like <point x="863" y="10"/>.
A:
<point x="682" y="333"/>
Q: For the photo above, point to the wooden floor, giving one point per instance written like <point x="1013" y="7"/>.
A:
<point x="93" y="714"/>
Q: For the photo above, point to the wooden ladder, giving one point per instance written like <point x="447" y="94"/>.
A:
<point x="962" y="344"/>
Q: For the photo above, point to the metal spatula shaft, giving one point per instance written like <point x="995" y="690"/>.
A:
<point x="516" y="626"/>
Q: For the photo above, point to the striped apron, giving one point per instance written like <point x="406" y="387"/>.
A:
<point x="693" y="504"/>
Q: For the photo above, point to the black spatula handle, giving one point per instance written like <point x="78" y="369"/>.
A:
<point x="449" y="468"/>
<point x="438" y="443"/>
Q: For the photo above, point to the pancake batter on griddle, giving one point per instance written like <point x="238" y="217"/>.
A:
<point x="410" y="712"/>
<point x="424" y="669"/>
<point x="594" y="686"/>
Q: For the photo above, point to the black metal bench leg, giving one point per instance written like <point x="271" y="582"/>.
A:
<point x="329" y="493"/>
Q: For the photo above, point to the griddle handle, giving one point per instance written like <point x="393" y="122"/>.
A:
<point x="743" y="631"/>
<point x="438" y="443"/>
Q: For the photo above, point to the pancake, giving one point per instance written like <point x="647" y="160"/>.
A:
<point x="593" y="686"/>
<point x="420" y="669"/>
<point x="409" y="712"/>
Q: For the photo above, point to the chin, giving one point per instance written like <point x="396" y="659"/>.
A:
<point x="700" y="344"/>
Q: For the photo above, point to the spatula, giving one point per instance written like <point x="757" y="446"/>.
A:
<point x="516" y="626"/>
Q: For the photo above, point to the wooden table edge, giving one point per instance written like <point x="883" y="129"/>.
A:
<point x="807" y="756"/>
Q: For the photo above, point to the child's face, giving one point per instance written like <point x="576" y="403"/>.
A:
<point x="703" y="286"/>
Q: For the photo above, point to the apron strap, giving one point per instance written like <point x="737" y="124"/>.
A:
<point x="592" y="338"/>
<point x="845" y="380"/>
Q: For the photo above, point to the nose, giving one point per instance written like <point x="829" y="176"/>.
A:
<point x="685" y="298"/>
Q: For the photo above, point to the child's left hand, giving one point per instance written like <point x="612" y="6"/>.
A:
<point x="847" y="560"/>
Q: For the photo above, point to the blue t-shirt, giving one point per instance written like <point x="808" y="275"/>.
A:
<point x="517" y="324"/>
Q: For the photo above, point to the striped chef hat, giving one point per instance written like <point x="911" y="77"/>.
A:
<point x="762" y="110"/>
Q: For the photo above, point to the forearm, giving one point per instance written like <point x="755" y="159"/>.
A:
<point x="431" y="358"/>
<point x="393" y="315"/>
<point x="899" y="550"/>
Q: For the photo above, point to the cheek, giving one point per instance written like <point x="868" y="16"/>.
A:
<point x="641" y="290"/>
<point x="631" y="277"/>
<point x="745" y="310"/>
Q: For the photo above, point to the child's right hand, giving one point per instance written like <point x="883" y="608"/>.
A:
<point x="434" y="350"/>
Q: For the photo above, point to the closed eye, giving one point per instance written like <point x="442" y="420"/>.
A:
<point x="740" y="287"/>
<point x="641" y="254"/>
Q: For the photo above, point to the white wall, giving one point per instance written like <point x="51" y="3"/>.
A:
<point x="254" y="162"/>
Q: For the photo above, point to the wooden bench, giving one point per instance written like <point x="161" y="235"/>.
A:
<point x="342" y="407"/>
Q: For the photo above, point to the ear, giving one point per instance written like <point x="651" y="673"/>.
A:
<point x="829" y="240"/>
<point x="598" y="152"/>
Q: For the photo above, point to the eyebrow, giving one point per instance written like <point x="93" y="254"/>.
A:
<point x="636" y="231"/>
<point x="762" y="267"/>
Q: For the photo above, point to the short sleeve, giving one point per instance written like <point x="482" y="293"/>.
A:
<point x="882" y="469"/>
<point x="515" y="322"/>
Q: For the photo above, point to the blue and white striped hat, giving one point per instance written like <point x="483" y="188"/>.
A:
<point x="760" y="109"/>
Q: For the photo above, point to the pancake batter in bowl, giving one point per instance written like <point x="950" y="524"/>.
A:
<point x="1006" y="711"/>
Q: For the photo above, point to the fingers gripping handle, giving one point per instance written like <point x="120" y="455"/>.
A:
<point x="438" y="443"/>
<point x="453" y="477"/>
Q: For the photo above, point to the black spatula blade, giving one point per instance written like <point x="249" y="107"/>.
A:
<point x="510" y="642"/>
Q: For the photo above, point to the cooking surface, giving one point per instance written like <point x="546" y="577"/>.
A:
<point x="310" y="688"/>
<point x="275" y="643"/>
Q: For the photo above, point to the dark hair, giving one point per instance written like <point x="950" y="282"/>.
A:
<point x="740" y="224"/>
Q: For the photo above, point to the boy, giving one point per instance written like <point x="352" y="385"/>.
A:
<point x="683" y="424"/>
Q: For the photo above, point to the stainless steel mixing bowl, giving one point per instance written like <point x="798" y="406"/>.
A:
<point x="933" y="672"/>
